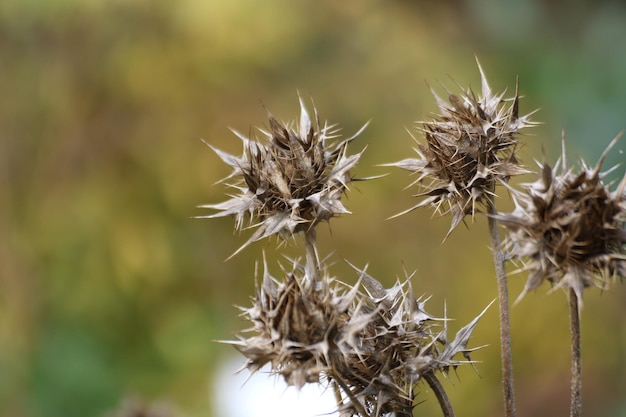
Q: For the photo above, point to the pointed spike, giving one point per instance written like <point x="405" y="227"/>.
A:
<point x="563" y="153"/>
<point x="598" y="166"/>
<point x="444" y="331"/>
<point x="440" y="102"/>
<point x="260" y="233"/>
<point x="515" y="112"/>
<point x="520" y="297"/>
<point x="230" y="160"/>
<point x="621" y="188"/>
<point x="418" y="205"/>
<point x="462" y="337"/>
<point x="358" y="132"/>
<point x="373" y="177"/>
<point x="486" y="91"/>
<point x="457" y="218"/>
<point x="305" y="120"/>
<point x="242" y="247"/>
<point x="241" y="136"/>
<point x="485" y="309"/>
<point x="371" y="284"/>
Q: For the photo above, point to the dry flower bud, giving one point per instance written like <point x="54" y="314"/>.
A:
<point x="569" y="227"/>
<point x="290" y="182"/>
<point x="470" y="146"/>
<point x="294" y="326"/>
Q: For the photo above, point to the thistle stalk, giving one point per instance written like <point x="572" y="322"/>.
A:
<point x="354" y="401"/>
<point x="576" y="383"/>
<point x="312" y="259"/>
<point x="440" y="393"/>
<point x="503" y="303"/>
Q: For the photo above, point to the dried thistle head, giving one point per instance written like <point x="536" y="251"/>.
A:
<point x="294" y="325"/>
<point x="289" y="182"/>
<point x="373" y="345"/>
<point x="470" y="146"/>
<point x="569" y="227"/>
<point x="393" y="346"/>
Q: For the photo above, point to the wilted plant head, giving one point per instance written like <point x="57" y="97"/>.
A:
<point x="294" y="325"/>
<point x="470" y="146"/>
<point x="400" y="347"/>
<point x="373" y="345"/>
<point x="569" y="227"/>
<point x="291" y="180"/>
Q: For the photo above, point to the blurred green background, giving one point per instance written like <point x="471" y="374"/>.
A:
<point x="109" y="289"/>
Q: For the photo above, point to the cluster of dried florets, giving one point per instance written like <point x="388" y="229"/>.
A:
<point x="570" y="227"/>
<point x="291" y="182"/>
<point x="373" y="346"/>
<point x="470" y="147"/>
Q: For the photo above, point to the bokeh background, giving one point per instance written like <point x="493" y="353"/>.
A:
<point x="110" y="290"/>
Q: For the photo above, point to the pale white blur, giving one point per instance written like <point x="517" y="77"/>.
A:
<point x="262" y="395"/>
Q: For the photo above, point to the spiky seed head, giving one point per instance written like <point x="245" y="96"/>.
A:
<point x="569" y="227"/>
<point x="399" y="345"/>
<point x="295" y="326"/>
<point x="471" y="146"/>
<point x="290" y="181"/>
<point x="375" y="344"/>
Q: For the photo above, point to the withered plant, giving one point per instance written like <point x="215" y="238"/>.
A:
<point x="470" y="148"/>
<point x="372" y="345"/>
<point x="569" y="228"/>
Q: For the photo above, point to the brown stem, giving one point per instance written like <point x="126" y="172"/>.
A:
<point x="576" y="383"/>
<point x="312" y="259"/>
<point x="354" y="401"/>
<point x="505" y="324"/>
<point x="337" y="393"/>
<point x="440" y="393"/>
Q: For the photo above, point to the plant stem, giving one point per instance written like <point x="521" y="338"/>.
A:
<point x="353" y="399"/>
<point x="312" y="259"/>
<point x="440" y="393"/>
<point x="505" y="325"/>
<point x="576" y="384"/>
<point x="337" y="392"/>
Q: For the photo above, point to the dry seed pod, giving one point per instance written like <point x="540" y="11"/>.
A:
<point x="470" y="147"/>
<point x="291" y="181"/>
<point x="569" y="227"/>
<point x="294" y="326"/>
<point x="401" y="346"/>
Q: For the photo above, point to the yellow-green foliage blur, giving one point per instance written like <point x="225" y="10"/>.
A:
<point x="109" y="289"/>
